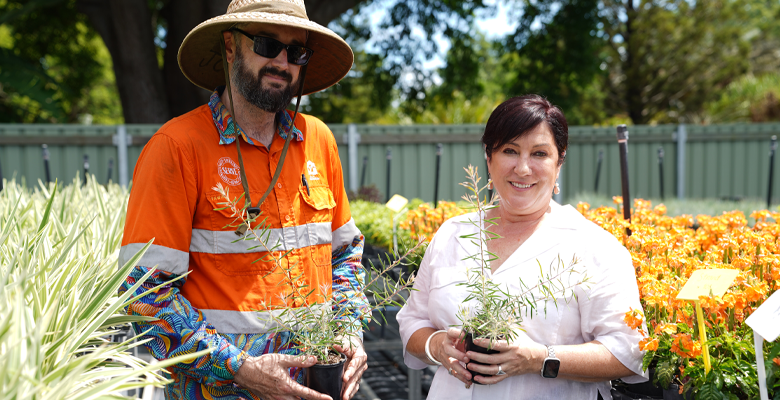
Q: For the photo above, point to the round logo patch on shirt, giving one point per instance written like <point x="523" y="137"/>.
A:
<point x="228" y="171"/>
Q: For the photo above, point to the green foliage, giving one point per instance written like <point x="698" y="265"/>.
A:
<point x="363" y="95"/>
<point x="747" y="99"/>
<point x="667" y="58"/>
<point x="375" y="221"/>
<point x="58" y="295"/>
<point x="561" y="58"/>
<point x="57" y="68"/>
<point x="733" y="373"/>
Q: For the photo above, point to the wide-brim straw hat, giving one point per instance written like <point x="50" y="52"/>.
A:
<point x="200" y="55"/>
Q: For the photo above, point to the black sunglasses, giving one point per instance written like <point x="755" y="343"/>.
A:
<point x="270" y="48"/>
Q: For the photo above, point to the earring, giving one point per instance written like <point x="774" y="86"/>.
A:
<point x="557" y="189"/>
<point x="490" y="183"/>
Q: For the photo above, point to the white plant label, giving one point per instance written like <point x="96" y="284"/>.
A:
<point x="766" y="319"/>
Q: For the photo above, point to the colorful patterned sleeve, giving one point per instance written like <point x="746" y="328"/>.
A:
<point x="181" y="329"/>
<point x="348" y="284"/>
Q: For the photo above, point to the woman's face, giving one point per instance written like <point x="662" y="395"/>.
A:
<point x="524" y="171"/>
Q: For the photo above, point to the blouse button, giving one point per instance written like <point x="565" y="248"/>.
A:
<point x="279" y="185"/>
<point x="287" y="218"/>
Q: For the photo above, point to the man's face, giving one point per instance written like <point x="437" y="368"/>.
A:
<point x="267" y="83"/>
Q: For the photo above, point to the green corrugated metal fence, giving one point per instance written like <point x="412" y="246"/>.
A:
<point x="720" y="160"/>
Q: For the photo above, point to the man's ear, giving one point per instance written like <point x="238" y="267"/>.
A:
<point x="230" y="46"/>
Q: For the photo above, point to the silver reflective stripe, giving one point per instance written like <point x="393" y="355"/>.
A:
<point x="345" y="234"/>
<point x="279" y="239"/>
<point x="248" y="321"/>
<point x="165" y="258"/>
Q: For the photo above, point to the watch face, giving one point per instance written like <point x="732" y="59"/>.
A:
<point x="550" y="369"/>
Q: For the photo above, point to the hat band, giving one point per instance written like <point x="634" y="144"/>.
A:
<point x="273" y="7"/>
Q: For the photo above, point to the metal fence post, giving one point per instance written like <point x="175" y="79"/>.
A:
<point x="121" y="141"/>
<point x="682" y="138"/>
<point x="353" y="138"/>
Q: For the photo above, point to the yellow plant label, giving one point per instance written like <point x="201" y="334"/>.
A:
<point x="397" y="203"/>
<point x="707" y="282"/>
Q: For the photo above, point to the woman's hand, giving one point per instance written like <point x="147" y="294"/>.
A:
<point x="523" y="356"/>
<point x="449" y="350"/>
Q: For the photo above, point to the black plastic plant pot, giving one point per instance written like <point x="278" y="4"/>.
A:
<point x="644" y="390"/>
<point x="470" y="346"/>
<point x="673" y="393"/>
<point x="326" y="378"/>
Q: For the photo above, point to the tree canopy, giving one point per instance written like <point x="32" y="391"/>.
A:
<point x="601" y="61"/>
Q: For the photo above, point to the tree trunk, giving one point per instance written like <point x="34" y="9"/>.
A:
<point x="182" y="16"/>
<point x="324" y="11"/>
<point x="125" y="27"/>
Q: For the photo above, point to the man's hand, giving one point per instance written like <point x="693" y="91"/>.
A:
<point x="268" y="377"/>
<point x="355" y="365"/>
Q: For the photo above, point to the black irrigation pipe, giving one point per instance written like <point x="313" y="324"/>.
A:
<point x="389" y="163"/>
<point x="110" y="170"/>
<point x="86" y="168"/>
<point x="622" y="138"/>
<point x="487" y="171"/>
<point x="46" y="171"/>
<point x="772" y="149"/>
<point x="661" y="169"/>
<point x="598" y="170"/>
<point x="363" y="172"/>
<point x="439" y="149"/>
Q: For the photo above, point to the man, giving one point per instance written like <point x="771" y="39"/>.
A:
<point x="240" y="140"/>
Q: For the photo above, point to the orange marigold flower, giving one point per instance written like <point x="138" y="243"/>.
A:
<point x="776" y="361"/>
<point x="634" y="319"/>
<point x="683" y="345"/>
<point x="648" y="344"/>
<point x="666" y="328"/>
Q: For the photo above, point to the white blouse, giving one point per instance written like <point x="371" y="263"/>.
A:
<point x="595" y="314"/>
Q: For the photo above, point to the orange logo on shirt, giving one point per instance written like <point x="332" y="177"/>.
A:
<point x="228" y="171"/>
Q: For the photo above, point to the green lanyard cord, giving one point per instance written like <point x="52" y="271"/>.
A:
<point x="255" y="211"/>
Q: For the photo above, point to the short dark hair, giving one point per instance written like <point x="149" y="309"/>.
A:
<point x="520" y="115"/>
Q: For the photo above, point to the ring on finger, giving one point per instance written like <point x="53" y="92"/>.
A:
<point x="450" y="371"/>
<point x="500" y="371"/>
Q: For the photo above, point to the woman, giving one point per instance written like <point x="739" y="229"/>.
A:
<point x="525" y="141"/>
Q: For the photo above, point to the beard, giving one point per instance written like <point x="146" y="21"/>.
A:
<point x="273" y="100"/>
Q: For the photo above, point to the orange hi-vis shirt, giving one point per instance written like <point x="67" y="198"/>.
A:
<point x="173" y="201"/>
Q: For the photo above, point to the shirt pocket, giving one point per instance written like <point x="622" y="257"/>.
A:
<point x="318" y="206"/>
<point x="229" y="255"/>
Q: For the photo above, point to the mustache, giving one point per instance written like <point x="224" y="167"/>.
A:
<point x="268" y="70"/>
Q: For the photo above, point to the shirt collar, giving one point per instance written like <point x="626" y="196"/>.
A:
<point x="229" y="130"/>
